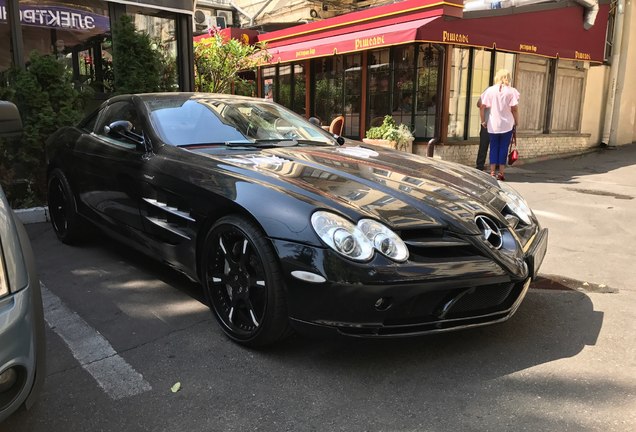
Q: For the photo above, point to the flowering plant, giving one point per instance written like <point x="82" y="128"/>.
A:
<point x="389" y="130"/>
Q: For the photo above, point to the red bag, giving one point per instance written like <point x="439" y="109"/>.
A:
<point x="513" y="156"/>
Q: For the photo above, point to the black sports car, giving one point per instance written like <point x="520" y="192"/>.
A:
<point x="286" y="226"/>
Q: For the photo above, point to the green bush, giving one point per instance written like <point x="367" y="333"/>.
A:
<point x="46" y="98"/>
<point x="218" y="60"/>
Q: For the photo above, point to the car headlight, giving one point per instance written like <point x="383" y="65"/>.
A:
<point x="516" y="203"/>
<point x="358" y="242"/>
<point x="384" y="240"/>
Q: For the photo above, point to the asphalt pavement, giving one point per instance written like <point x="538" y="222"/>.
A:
<point x="131" y="345"/>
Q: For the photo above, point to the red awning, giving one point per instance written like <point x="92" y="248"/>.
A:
<point x="553" y="33"/>
<point x="556" y="32"/>
<point x="354" y="41"/>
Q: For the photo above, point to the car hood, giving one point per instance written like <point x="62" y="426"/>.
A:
<point x="403" y="190"/>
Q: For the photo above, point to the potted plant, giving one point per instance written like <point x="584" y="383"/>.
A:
<point x="389" y="134"/>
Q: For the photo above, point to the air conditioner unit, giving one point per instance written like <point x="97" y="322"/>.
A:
<point x="220" y="22"/>
<point x="203" y="19"/>
<point x="227" y="15"/>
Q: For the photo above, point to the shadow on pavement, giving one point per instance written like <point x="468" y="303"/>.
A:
<point x="566" y="170"/>
<point x="322" y="384"/>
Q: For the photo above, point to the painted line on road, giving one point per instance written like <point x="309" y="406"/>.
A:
<point x="113" y="374"/>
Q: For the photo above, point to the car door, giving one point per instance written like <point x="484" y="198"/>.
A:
<point x="110" y="169"/>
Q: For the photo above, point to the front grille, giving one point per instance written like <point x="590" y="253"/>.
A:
<point x="453" y="303"/>
<point x="469" y="306"/>
<point x="480" y="299"/>
<point x="436" y="244"/>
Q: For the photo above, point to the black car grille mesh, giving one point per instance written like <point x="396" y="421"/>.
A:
<point x="454" y="303"/>
<point x="480" y="299"/>
<point x="425" y="245"/>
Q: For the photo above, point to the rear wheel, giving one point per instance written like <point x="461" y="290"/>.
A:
<point x="63" y="208"/>
<point x="243" y="283"/>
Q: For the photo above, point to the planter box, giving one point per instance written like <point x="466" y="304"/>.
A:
<point x="389" y="144"/>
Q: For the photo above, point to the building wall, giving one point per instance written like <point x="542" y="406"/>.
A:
<point x="595" y="103"/>
<point x="286" y="11"/>
<point x="531" y="148"/>
<point x="624" y="123"/>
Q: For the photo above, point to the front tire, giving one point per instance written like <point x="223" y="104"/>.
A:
<point x="243" y="283"/>
<point x="63" y="208"/>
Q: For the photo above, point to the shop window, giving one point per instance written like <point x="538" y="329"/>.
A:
<point x="268" y="77"/>
<point x="73" y="33"/>
<point x="505" y="61"/>
<point x="284" y="84"/>
<point x="247" y="85"/>
<point x="352" y="95"/>
<point x="328" y="88"/>
<point x="428" y="95"/>
<point x="403" y="86"/>
<point x="379" y="84"/>
<point x="480" y="80"/>
<point x="298" y="104"/>
<point x="458" y="92"/>
<point x="472" y="72"/>
<point x="161" y="27"/>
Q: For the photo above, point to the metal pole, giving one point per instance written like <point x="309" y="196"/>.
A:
<point x="616" y="55"/>
<point x="15" y="27"/>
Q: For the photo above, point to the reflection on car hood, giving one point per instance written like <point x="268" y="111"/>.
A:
<point x="402" y="189"/>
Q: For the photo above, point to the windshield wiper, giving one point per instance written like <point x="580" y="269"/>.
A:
<point x="275" y="143"/>
<point x="219" y="143"/>
<point x="317" y="143"/>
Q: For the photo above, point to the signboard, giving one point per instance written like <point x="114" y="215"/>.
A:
<point x="58" y="17"/>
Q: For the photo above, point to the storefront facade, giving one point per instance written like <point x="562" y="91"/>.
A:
<point x="426" y="65"/>
<point x="80" y="32"/>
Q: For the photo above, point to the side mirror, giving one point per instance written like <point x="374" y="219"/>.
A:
<point x="10" y="120"/>
<point x="118" y="129"/>
<point x="340" y="140"/>
<point x="123" y="129"/>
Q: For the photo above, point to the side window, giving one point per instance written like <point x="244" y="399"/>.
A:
<point x="118" y="111"/>
<point x="88" y="125"/>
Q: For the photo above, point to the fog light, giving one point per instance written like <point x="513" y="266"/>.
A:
<point x="8" y="379"/>
<point x="383" y="303"/>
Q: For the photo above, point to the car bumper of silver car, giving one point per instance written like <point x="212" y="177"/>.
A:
<point x="17" y="351"/>
<point x="22" y="344"/>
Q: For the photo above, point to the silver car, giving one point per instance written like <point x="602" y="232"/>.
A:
<point x="22" y="345"/>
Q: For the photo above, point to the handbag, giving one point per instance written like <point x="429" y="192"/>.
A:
<point x="513" y="156"/>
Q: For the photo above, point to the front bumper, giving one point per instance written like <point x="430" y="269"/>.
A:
<point x="22" y="344"/>
<point x="387" y="299"/>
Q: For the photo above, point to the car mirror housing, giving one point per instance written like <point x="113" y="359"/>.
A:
<point x="10" y="120"/>
<point x="118" y="128"/>
<point x="123" y="129"/>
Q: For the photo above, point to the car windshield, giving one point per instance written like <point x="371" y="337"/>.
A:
<point x="199" y="121"/>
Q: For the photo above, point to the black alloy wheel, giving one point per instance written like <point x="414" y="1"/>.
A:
<point x="62" y="208"/>
<point x="243" y="283"/>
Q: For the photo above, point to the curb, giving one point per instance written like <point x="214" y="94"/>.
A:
<point x="32" y="215"/>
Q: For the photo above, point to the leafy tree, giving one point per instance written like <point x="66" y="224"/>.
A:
<point x="218" y="60"/>
<point x="140" y="64"/>
<point x="47" y="99"/>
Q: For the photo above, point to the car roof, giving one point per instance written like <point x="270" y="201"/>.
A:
<point x="183" y="95"/>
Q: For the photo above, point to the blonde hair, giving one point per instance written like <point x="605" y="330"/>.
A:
<point x="502" y="77"/>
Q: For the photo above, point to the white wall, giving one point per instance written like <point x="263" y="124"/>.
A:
<point x="624" y="121"/>
<point x="594" y="103"/>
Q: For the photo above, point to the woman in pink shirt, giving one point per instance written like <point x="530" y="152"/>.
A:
<point x="502" y="99"/>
